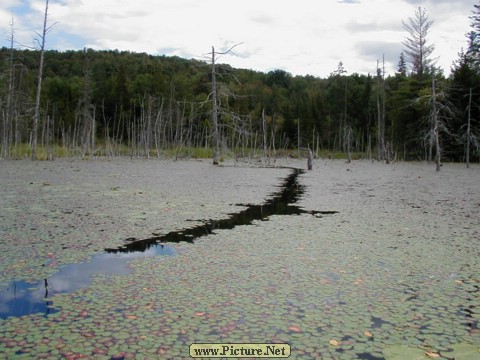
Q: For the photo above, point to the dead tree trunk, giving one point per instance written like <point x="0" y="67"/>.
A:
<point x="298" y="137"/>
<point x="214" y="94"/>
<point x="273" y="150"/>
<point x="436" y="127"/>
<point x="467" y="158"/>
<point x="88" y="119"/>
<point x="159" y="127"/>
<point x="381" y="112"/>
<point x="8" y="116"/>
<point x="36" y="114"/>
<point x="310" y="159"/>
<point x="264" y="131"/>
<point x="348" y="138"/>
<point x="216" y="135"/>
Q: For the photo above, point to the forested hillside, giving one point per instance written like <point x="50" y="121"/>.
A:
<point x="111" y="103"/>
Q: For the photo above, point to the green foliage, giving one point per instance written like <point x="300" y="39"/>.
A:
<point x="138" y="102"/>
<point x="188" y="153"/>
<point x="24" y="151"/>
<point x="465" y="76"/>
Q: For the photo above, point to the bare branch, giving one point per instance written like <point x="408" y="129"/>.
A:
<point x="229" y="50"/>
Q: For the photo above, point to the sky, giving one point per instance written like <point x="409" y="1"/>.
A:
<point x="302" y="37"/>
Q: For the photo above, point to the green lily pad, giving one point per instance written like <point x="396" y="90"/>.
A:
<point x="464" y="351"/>
<point x="404" y="352"/>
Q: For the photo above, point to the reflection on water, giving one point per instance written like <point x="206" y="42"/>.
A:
<point x="280" y="203"/>
<point x="21" y="298"/>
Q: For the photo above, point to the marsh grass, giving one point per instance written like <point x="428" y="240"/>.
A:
<point x="51" y="152"/>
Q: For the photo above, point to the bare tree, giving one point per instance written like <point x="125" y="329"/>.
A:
<point x="216" y="135"/>
<point x="36" y="115"/>
<point x="310" y="159"/>
<point x="159" y="126"/>
<point x="87" y="112"/>
<point x="439" y="111"/>
<point x="264" y="132"/>
<point x="468" y="129"/>
<point x="436" y="125"/>
<point x="8" y="115"/>
<point x="347" y="140"/>
<point x="381" y="111"/>
<point x="417" y="48"/>
<point x="470" y="136"/>
<point x="214" y="94"/>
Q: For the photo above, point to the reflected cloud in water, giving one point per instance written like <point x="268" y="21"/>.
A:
<point x="22" y="298"/>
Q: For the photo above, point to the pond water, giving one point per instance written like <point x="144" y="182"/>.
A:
<point x="21" y="298"/>
<point x="392" y="275"/>
<point x="280" y="203"/>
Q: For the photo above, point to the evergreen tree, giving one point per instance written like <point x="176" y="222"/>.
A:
<point x="402" y="65"/>
<point x="464" y="93"/>
<point x="417" y="48"/>
<point x="474" y="35"/>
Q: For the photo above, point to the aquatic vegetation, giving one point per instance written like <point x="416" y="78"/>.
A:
<point x="394" y="270"/>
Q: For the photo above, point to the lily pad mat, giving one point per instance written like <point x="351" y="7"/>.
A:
<point x="62" y="212"/>
<point x="384" y="272"/>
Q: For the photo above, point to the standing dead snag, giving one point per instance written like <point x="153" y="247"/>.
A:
<point x="470" y="137"/>
<point x="36" y="114"/>
<point x="381" y="111"/>
<point x="441" y="111"/>
<point x="387" y="153"/>
<point x="310" y="159"/>
<point x="438" y="112"/>
<point x="467" y="157"/>
<point x="216" y="136"/>
<point x="9" y="110"/>
<point x="216" y="133"/>
<point x="436" y="126"/>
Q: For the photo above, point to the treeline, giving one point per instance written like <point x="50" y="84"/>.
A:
<point x="110" y="102"/>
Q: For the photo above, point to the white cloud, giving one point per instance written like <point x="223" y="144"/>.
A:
<point x="306" y="36"/>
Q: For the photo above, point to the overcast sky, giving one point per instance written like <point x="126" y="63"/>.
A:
<point x="301" y="37"/>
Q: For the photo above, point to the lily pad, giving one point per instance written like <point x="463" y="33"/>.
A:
<point x="404" y="352"/>
<point x="377" y="275"/>
<point x="463" y="351"/>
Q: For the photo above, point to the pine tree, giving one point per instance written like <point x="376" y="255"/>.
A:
<point x="417" y="48"/>
<point x="402" y="65"/>
<point x="474" y="36"/>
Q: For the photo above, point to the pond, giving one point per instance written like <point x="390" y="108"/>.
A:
<point x="376" y="262"/>
<point x="22" y="298"/>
